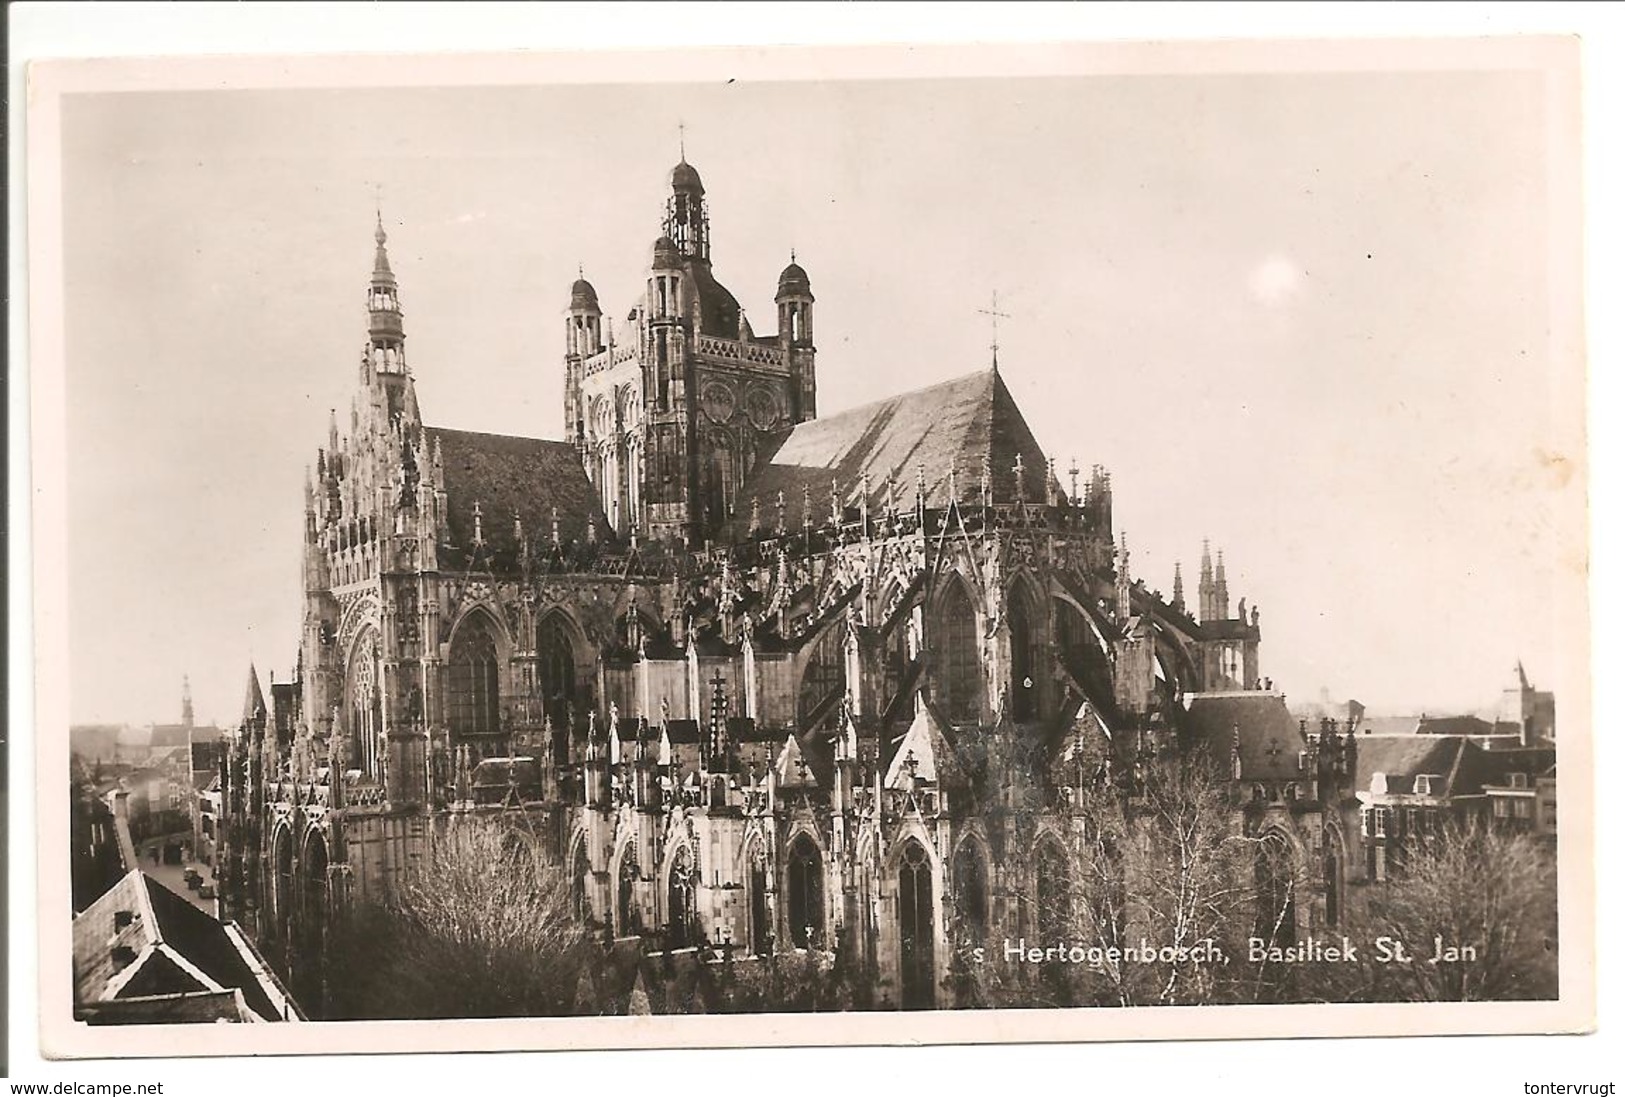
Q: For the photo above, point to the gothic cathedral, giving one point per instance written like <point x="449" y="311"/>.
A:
<point x="748" y="673"/>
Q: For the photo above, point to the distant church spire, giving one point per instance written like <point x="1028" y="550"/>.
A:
<point x="1204" y="587"/>
<point x="186" y="700"/>
<point x="1179" y="589"/>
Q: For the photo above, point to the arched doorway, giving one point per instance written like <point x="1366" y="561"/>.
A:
<point x="917" y="927"/>
<point x="959" y="671"/>
<point x="1023" y="655"/>
<point x="970" y="892"/>
<point x="681" y="928"/>
<point x="805" y="892"/>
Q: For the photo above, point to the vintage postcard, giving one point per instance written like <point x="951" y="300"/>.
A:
<point x="763" y="547"/>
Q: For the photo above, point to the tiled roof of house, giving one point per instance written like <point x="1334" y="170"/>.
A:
<point x="954" y="425"/>
<point x="166" y="946"/>
<point x="1454" y="725"/>
<point x="508" y="475"/>
<point x="1404" y="757"/>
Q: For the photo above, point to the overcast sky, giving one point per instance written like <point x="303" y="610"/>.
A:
<point x="1301" y="315"/>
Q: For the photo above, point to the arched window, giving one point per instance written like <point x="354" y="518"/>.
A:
<point x="970" y="891"/>
<point x="761" y="925"/>
<point x="556" y="669"/>
<point x="366" y="718"/>
<point x="681" y="923"/>
<point x="1275" y="885"/>
<point x="917" y="927"/>
<point x="1052" y="893"/>
<point x="627" y="922"/>
<point x="315" y="902"/>
<point x="805" y="893"/>
<point x="1332" y="880"/>
<point x="284" y="878"/>
<point x="580" y="869"/>
<point x="824" y="677"/>
<point x="1023" y="655"/>
<point x="472" y="699"/>
<point x="959" y="664"/>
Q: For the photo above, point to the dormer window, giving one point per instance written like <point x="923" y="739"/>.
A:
<point x="1423" y="785"/>
<point x="1518" y="780"/>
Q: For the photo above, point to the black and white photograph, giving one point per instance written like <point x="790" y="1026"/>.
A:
<point x="635" y="547"/>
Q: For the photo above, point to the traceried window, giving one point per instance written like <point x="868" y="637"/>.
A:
<point x="556" y="669"/>
<point x="681" y="926"/>
<point x="472" y="699"/>
<point x="1023" y="656"/>
<point x="1275" y="888"/>
<point x="958" y="659"/>
<point x="805" y="893"/>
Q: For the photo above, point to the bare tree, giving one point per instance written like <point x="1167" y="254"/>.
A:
<point x="1167" y="885"/>
<point x="1469" y="913"/>
<point x="482" y="927"/>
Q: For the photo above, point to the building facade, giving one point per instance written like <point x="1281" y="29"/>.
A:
<point x="750" y="674"/>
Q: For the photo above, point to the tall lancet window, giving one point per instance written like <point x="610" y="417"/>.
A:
<point x="805" y="892"/>
<point x="366" y="723"/>
<point x="1023" y="656"/>
<point x="959" y="670"/>
<point x="473" y="701"/>
<point x="556" y="669"/>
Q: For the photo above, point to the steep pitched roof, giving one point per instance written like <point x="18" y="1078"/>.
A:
<point x="1403" y="757"/>
<point x="954" y="425"/>
<point x="173" y="948"/>
<point x="508" y="475"/>
<point x="1256" y="721"/>
<point x="933" y="756"/>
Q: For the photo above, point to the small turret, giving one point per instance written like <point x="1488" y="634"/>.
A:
<point x="795" y="301"/>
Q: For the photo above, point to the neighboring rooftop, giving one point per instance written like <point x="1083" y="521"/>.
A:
<point x="140" y="940"/>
